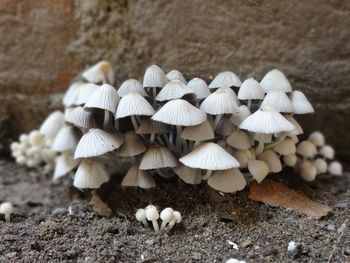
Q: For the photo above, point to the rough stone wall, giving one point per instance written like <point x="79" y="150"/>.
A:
<point x="45" y="43"/>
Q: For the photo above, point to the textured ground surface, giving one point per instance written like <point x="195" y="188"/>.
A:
<point x="43" y="230"/>
<point x="45" y="43"/>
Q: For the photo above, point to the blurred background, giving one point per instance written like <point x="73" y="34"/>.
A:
<point x="44" y="44"/>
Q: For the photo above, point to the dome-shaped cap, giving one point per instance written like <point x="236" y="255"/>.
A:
<point x="225" y="79"/>
<point x="317" y="138"/>
<point x="271" y="158"/>
<point x="201" y="132"/>
<point x="80" y="118"/>
<point x="220" y="102"/>
<point x="175" y="75"/>
<point x="275" y="80"/>
<point x="85" y="92"/>
<point x="157" y="157"/>
<point x="199" y="87"/>
<point x="105" y="98"/>
<point x="239" y="140"/>
<point x="259" y="169"/>
<point x="243" y="112"/>
<point x="189" y="175"/>
<point x="327" y="152"/>
<point x="278" y="100"/>
<point x="132" y="145"/>
<point x="134" y="104"/>
<point x="52" y="124"/>
<point x="209" y="156"/>
<point x="285" y="147"/>
<point x="266" y="120"/>
<point x="100" y="72"/>
<point x="97" y="142"/>
<point x="227" y="181"/>
<point x="174" y="89"/>
<point x="180" y="112"/>
<point x="66" y="139"/>
<point x="64" y="163"/>
<point x="90" y="174"/>
<point x="131" y="86"/>
<point x="138" y="178"/>
<point x="250" y="90"/>
<point x="71" y="95"/>
<point x="154" y="77"/>
<point x="300" y="103"/>
<point x="306" y="149"/>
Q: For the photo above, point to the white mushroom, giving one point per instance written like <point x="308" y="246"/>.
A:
<point x="275" y="80"/>
<point x="141" y="216"/>
<point x="166" y="215"/>
<point x="225" y="79"/>
<point x="6" y="208"/>
<point x="177" y="218"/>
<point x="335" y="168"/>
<point x="152" y="215"/>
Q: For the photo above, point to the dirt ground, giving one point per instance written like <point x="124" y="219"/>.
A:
<point x="56" y="223"/>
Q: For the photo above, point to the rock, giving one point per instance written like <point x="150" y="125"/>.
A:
<point x="196" y="256"/>
<point x="149" y="242"/>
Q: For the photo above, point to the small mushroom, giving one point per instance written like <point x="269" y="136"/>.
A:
<point x="317" y="138"/>
<point x="152" y="215"/>
<point x="141" y="216"/>
<point x="177" y="218"/>
<point x="275" y="80"/>
<point x="6" y="208"/>
<point x="166" y="215"/>
<point x="335" y="168"/>
<point x="225" y="79"/>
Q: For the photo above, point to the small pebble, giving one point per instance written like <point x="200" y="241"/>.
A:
<point x="292" y="246"/>
<point x="331" y="227"/>
<point x="196" y="256"/>
<point x="150" y="242"/>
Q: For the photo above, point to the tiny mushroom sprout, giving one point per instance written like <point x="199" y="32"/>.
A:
<point x="317" y="138"/>
<point x="327" y="152"/>
<point x="6" y="208"/>
<point x="141" y="216"/>
<point x="132" y="105"/>
<point x="321" y="165"/>
<point x="199" y="87"/>
<point x="175" y="75"/>
<point x="152" y="215"/>
<point x="250" y="90"/>
<point x="275" y="80"/>
<point x="266" y="120"/>
<point x="290" y="160"/>
<point x="90" y="174"/>
<point x="166" y="215"/>
<point x="138" y="178"/>
<point x="131" y="86"/>
<point x="154" y="78"/>
<point x="85" y="92"/>
<point x="300" y="103"/>
<point x="335" y="168"/>
<point x="177" y="218"/>
<point x="174" y="89"/>
<point x="225" y="79"/>
<point x="306" y="149"/>
<point x="100" y="72"/>
<point x="222" y="101"/>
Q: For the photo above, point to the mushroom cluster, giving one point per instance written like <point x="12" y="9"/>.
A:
<point x="165" y="126"/>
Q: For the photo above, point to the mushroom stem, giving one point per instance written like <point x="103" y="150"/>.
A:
<point x="154" y="94"/>
<point x="278" y="141"/>
<point x="155" y="226"/>
<point x="185" y="146"/>
<point x="106" y="120"/>
<point x="144" y="222"/>
<point x="249" y="104"/>
<point x="7" y="218"/>
<point x="134" y="122"/>
<point x="207" y="175"/>
<point x="260" y="148"/>
<point x="217" y="120"/>
<point x="163" y="225"/>
<point x="178" y="137"/>
<point x="172" y="223"/>
<point x="153" y="135"/>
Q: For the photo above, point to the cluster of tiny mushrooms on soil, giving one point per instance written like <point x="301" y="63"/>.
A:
<point x="223" y="133"/>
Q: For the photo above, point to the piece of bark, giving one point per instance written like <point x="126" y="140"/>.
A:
<point x="278" y="195"/>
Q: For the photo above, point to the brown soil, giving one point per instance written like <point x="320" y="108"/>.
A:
<point x="43" y="230"/>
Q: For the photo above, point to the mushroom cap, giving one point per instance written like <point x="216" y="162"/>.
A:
<point x="154" y="77"/>
<point x="188" y="175"/>
<point x="271" y="158"/>
<point x="6" y="208"/>
<point x="225" y="79"/>
<point x="97" y="72"/>
<point x="175" y="75"/>
<point x="250" y="90"/>
<point x="85" y="92"/>
<point x="306" y="149"/>
<point x="180" y="112"/>
<point x="90" y="174"/>
<point x="140" y="214"/>
<point x="209" y="156"/>
<point x="199" y="87"/>
<point x="132" y="145"/>
<point x="290" y="160"/>
<point x="167" y="214"/>
<point x="243" y="113"/>
<point x="266" y="120"/>
<point x="157" y="157"/>
<point x="66" y="139"/>
<point x="243" y="156"/>
<point x="300" y="103"/>
<point x="152" y="213"/>
<point x="275" y="80"/>
<point x="149" y="126"/>
<point x="327" y="152"/>
<point x="177" y="216"/>
<point x="64" y="163"/>
<point x="71" y="95"/>
<point x="134" y="104"/>
<point x="137" y="177"/>
<point x="131" y="86"/>
<point x="222" y="101"/>
<point x="201" y="132"/>
<point x="227" y="181"/>
<point x="130" y="179"/>
<point x="307" y="171"/>
<point x="174" y="89"/>
<point x="278" y="100"/>
<point x="225" y="126"/>
<point x="321" y="165"/>
<point x="97" y="142"/>
<point x="105" y="98"/>
<point x="335" y="168"/>
<point x="36" y="138"/>
<point x="80" y="118"/>
<point x="259" y="169"/>
<point x="52" y="124"/>
<point x="239" y="140"/>
<point x="317" y="138"/>
<point x="285" y="147"/>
